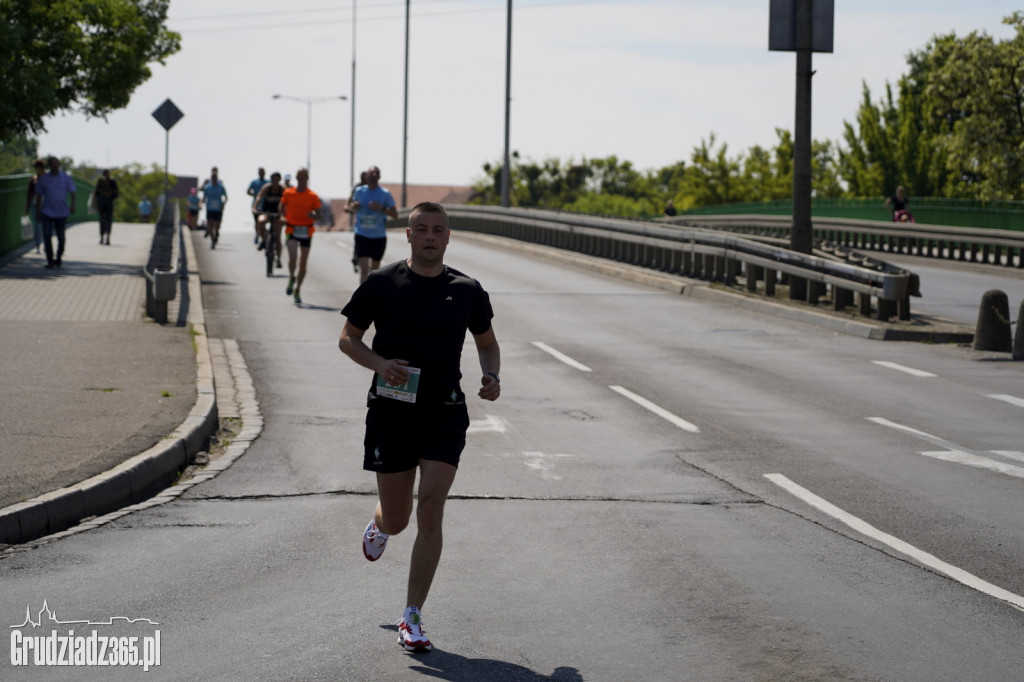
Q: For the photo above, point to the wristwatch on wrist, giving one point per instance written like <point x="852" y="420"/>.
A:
<point x="495" y="375"/>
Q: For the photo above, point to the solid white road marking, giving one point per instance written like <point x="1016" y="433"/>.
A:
<point x="863" y="527"/>
<point x="903" y="368"/>
<point x="1013" y="400"/>
<point x="661" y="412"/>
<point x="561" y="356"/>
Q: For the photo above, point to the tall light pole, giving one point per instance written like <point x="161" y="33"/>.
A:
<point x="405" y="107"/>
<point x="309" y="102"/>
<point x="352" y="133"/>
<point x="506" y="169"/>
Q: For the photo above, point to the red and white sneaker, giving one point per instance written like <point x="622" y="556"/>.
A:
<point x="410" y="632"/>
<point x="374" y="542"/>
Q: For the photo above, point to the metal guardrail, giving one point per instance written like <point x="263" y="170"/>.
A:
<point x="699" y="253"/>
<point x="967" y="244"/>
<point x="163" y="267"/>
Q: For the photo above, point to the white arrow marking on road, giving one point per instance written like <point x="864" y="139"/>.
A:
<point x="958" y="574"/>
<point x="959" y="455"/>
<point x="903" y="368"/>
<point x="561" y="356"/>
<point x="488" y="423"/>
<point x="661" y="412"/>
<point x="1013" y="400"/>
<point x="972" y="460"/>
<point x="542" y="462"/>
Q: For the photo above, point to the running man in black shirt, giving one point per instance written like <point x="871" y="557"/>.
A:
<point x="416" y="416"/>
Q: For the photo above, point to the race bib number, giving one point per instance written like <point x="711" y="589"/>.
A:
<point x="300" y="231"/>
<point x="406" y="392"/>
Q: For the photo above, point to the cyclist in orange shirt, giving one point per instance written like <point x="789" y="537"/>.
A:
<point x="300" y="207"/>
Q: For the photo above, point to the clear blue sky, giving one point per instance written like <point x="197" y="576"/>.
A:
<point x="644" y="79"/>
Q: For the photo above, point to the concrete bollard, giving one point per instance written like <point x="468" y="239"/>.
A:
<point x="993" y="329"/>
<point x="1018" y="336"/>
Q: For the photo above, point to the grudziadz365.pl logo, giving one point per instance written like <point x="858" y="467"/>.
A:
<point x="32" y="645"/>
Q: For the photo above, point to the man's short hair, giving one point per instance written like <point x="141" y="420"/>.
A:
<point x="428" y="207"/>
<point x="275" y="174"/>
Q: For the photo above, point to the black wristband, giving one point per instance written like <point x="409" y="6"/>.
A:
<point x="495" y="375"/>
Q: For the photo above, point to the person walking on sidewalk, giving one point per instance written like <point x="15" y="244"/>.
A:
<point x="106" y="192"/>
<point x="417" y="417"/>
<point x="373" y="205"/>
<point x="215" y="197"/>
<point x="300" y="207"/>
<point x="52" y="192"/>
<point x="31" y="210"/>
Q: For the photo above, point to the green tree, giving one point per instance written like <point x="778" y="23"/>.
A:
<point x="60" y="55"/>
<point x="17" y="154"/>
<point x="133" y="183"/>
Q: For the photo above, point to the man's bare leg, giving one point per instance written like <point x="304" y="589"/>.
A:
<point x="436" y="480"/>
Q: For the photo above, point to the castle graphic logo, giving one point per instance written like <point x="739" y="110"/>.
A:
<point x="62" y="647"/>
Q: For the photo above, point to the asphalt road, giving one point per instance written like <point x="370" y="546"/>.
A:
<point x="667" y="490"/>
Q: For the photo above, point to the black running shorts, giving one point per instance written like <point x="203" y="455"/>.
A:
<point x="399" y="435"/>
<point x="370" y="248"/>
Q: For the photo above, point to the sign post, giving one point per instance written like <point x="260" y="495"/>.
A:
<point x="801" y="26"/>
<point x="167" y="114"/>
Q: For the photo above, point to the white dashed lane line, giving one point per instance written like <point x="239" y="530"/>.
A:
<point x="903" y="368"/>
<point x="558" y="355"/>
<point x="863" y="527"/>
<point x="660" y="411"/>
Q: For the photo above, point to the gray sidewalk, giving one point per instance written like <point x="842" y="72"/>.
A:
<point x="94" y="391"/>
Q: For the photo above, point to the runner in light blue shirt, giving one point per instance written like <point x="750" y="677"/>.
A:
<point x="373" y="205"/>
<point x="215" y="196"/>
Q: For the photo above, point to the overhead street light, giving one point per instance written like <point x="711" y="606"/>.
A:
<point x="309" y="102"/>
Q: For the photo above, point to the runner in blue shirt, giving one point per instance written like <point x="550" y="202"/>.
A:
<point x="373" y="205"/>
<point x="254" y="189"/>
<point x="215" y="196"/>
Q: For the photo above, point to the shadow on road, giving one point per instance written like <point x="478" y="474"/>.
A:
<point x="444" y="665"/>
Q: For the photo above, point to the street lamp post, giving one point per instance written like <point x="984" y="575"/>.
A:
<point x="309" y="102"/>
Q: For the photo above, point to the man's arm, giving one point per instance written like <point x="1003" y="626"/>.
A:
<point x="351" y="344"/>
<point x="490" y="363"/>
<point x="259" y="198"/>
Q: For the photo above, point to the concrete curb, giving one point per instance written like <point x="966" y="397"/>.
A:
<point x="699" y="289"/>
<point x="140" y="477"/>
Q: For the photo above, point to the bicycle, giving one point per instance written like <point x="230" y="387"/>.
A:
<point x="270" y="241"/>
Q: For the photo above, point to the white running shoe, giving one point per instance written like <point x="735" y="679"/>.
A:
<point x="411" y="635"/>
<point x="374" y="542"/>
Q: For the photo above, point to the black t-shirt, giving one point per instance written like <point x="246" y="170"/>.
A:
<point x="897" y="203"/>
<point x="272" y="199"/>
<point x="422" y="320"/>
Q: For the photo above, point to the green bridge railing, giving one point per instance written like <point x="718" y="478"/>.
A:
<point x="13" y="192"/>
<point x="997" y="215"/>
